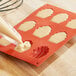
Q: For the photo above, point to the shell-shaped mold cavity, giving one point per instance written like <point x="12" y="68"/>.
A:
<point x="59" y="18"/>
<point x="40" y="51"/>
<point x="45" y="13"/>
<point x="27" y="25"/>
<point x="71" y="24"/>
<point x="42" y="31"/>
<point x="58" y="37"/>
<point x="23" y="47"/>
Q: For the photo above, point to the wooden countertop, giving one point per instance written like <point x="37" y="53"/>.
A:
<point x="62" y="63"/>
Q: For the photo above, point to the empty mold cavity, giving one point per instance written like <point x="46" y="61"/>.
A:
<point x="42" y="31"/>
<point x="45" y="13"/>
<point x="60" y="18"/>
<point x="58" y="37"/>
<point x="27" y="25"/>
<point x="72" y="24"/>
<point x="23" y="47"/>
<point x="4" y="42"/>
<point x="40" y="51"/>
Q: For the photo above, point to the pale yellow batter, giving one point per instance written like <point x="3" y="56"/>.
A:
<point x="72" y="24"/>
<point x="60" y="18"/>
<point x="42" y="31"/>
<point x="23" y="47"/>
<point x="45" y="13"/>
<point x="27" y="25"/>
<point x="58" y="37"/>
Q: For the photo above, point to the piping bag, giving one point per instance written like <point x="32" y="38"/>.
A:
<point x="9" y="31"/>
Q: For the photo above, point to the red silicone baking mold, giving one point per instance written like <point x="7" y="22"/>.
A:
<point x="41" y="48"/>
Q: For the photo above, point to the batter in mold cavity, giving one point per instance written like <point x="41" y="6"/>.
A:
<point x="71" y="24"/>
<point x="27" y="25"/>
<point x="23" y="47"/>
<point x="45" y="13"/>
<point x="59" y="18"/>
<point x="42" y="31"/>
<point x="58" y="37"/>
<point x="19" y="48"/>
